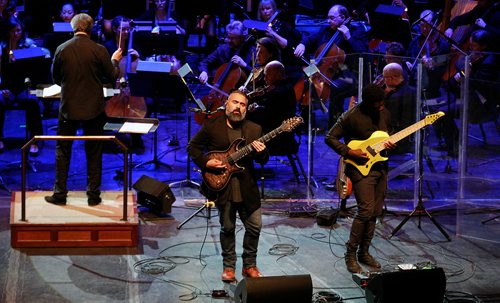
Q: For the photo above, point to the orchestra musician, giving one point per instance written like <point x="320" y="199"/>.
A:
<point x="267" y="50"/>
<point x="400" y="100"/>
<point x="13" y="83"/>
<point x="121" y="28"/>
<point x="433" y="50"/>
<point x="485" y="15"/>
<point x="286" y="36"/>
<point x="235" y="50"/>
<point x="483" y="93"/>
<point x="352" y="38"/>
<point x="273" y="104"/>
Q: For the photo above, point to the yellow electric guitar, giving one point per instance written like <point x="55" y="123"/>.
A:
<point x="376" y="143"/>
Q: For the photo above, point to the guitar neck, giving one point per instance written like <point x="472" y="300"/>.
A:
<point x="247" y="149"/>
<point x="400" y="135"/>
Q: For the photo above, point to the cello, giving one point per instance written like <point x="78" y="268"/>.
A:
<point x="124" y="105"/>
<point x="226" y="78"/>
<point x="328" y="58"/>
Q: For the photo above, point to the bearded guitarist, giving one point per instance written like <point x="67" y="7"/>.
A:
<point x="359" y="123"/>
<point x="241" y="194"/>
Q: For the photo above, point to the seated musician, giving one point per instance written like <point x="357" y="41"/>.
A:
<point x="400" y="100"/>
<point x="267" y="51"/>
<point x="286" y="36"/>
<point x="483" y="86"/>
<point x="483" y="77"/>
<point x="13" y="85"/>
<point x="52" y="40"/>
<point x="352" y="38"/>
<point x="485" y="15"/>
<point x="170" y="46"/>
<point x="273" y="104"/>
<point x="121" y="28"/>
<point x="433" y="50"/>
<point x="237" y="51"/>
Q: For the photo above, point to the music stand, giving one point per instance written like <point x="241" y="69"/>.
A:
<point x="150" y="80"/>
<point x="183" y="71"/>
<point x="131" y="126"/>
<point x="388" y="25"/>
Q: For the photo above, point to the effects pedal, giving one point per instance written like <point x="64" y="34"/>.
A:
<point x="219" y="293"/>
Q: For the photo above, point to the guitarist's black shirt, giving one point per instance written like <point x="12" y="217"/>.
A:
<point x="354" y="124"/>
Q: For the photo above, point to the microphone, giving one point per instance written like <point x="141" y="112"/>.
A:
<point x="27" y="82"/>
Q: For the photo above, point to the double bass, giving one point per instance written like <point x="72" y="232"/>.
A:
<point x="124" y="105"/>
<point x="227" y="76"/>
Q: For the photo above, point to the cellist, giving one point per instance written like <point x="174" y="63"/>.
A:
<point x="226" y="52"/>
<point x="352" y="38"/>
<point x="121" y="28"/>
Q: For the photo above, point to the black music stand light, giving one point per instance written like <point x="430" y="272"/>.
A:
<point x="150" y="80"/>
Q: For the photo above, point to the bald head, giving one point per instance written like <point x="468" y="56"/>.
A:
<point x="393" y="74"/>
<point x="274" y="71"/>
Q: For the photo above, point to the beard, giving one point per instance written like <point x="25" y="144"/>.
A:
<point x="235" y="116"/>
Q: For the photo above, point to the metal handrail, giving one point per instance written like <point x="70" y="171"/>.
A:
<point x="72" y="138"/>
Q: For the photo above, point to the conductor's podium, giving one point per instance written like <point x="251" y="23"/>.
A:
<point x="75" y="224"/>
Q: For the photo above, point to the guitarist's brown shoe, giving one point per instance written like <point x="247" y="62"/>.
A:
<point x="251" y="272"/>
<point x="228" y="275"/>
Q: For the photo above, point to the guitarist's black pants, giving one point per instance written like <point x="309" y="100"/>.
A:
<point x="253" y="225"/>
<point x="370" y="193"/>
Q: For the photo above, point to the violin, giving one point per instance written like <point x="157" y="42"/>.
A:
<point x="124" y="104"/>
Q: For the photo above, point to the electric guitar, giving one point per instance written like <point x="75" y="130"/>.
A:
<point x="376" y="143"/>
<point x="217" y="180"/>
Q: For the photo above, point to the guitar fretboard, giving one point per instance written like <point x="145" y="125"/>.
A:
<point x="247" y="149"/>
<point x="400" y="135"/>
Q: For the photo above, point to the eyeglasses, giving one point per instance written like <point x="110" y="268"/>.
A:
<point x="332" y="18"/>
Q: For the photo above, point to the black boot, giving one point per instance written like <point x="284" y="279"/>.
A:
<point x="355" y="237"/>
<point x="350" y="260"/>
<point x="363" y="254"/>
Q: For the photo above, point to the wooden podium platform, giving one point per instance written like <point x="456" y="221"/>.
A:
<point x="76" y="224"/>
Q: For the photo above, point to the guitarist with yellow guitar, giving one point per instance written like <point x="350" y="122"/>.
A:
<point x="365" y="129"/>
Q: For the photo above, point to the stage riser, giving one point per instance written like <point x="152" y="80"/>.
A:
<point x="77" y="236"/>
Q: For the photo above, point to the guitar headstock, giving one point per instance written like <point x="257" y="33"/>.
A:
<point x="289" y="124"/>
<point x="429" y="119"/>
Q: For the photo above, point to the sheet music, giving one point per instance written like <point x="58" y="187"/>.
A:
<point x="136" y="128"/>
<point x="53" y="91"/>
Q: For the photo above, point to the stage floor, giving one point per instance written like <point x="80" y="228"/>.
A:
<point x="178" y="264"/>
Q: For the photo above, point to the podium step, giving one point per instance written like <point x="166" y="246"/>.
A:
<point x="75" y="224"/>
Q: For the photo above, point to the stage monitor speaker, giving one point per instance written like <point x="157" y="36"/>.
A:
<point x="409" y="286"/>
<point x="154" y="194"/>
<point x="289" y="289"/>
